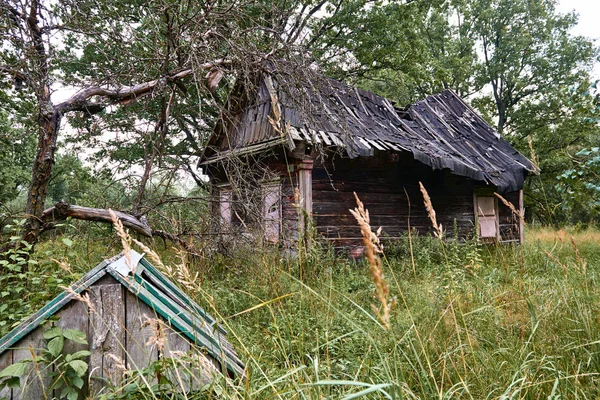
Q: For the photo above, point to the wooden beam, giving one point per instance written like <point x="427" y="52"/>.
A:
<point x="305" y="168"/>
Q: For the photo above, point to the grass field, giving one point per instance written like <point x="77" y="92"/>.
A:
<point x="469" y="321"/>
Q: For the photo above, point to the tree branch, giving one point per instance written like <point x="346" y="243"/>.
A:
<point x="79" y="101"/>
<point x="63" y="210"/>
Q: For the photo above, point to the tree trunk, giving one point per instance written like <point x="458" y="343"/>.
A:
<point x="49" y="121"/>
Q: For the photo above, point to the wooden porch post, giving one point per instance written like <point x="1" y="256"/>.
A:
<point x="521" y="223"/>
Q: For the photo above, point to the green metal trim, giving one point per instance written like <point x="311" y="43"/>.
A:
<point x="151" y="270"/>
<point x="213" y="348"/>
<point x="52" y="307"/>
<point x="203" y="326"/>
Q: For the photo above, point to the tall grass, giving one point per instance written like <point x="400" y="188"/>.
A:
<point x="472" y="321"/>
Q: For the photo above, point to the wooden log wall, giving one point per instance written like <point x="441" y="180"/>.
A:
<point x="119" y="332"/>
<point x="388" y="185"/>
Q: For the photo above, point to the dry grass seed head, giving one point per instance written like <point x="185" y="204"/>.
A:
<point x="158" y="337"/>
<point x="84" y="298"/>
<point x="125" y="239"/>
<point x="184" y="276"/>
<point x="64" y="265"/>
<point x="511" y="207"/>
<point x="438" y="232"/>
<point x="580" y="260"/>
<point x="154" y="258"/>
<point x="373" y="248"/>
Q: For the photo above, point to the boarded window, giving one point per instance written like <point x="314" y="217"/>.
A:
<point x="487" y="215"/>
<point x="225" y="211"/>
<point x="271" y="211"/>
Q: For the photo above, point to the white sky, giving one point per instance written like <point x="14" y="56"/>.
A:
<point x="588" y="25"/>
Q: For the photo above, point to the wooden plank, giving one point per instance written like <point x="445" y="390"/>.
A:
<point x="176" y="348"/>
<point x="107" y="335"/>
<point x="305" y="188"/>
<point x="36" y="381"/>
<point x="75" y="316"/>
<point x="139" y="354"/>
<point x="6" y="359"/>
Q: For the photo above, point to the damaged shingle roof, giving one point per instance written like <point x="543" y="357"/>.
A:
<point x="441" y="131"/>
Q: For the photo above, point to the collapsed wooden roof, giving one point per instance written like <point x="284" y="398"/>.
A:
<point x="441" y="131"/>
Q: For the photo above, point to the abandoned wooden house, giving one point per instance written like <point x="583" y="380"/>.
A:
<point x="310" y="149"/>
<point x="131" y="317"/>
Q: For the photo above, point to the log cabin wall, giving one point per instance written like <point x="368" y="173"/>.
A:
<point x="386" y="184"/>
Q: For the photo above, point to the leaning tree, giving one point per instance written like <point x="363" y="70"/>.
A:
<point x="162" y="58"/>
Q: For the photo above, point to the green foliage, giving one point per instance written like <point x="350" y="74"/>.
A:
<point x="472" y="321"/>
<point x="162" y="380"/>
<point x="16" y="153"/>
<point x="26" y="281"/>
<point x="477" y="322"/>
<point x="66" y="370"/>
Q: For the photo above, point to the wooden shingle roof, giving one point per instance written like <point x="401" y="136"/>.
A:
<point x="441" y="131"/>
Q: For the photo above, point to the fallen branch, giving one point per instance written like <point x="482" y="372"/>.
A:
<point x="63" y="210"/>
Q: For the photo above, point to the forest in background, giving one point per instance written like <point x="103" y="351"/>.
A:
<point x="109" y="105"/>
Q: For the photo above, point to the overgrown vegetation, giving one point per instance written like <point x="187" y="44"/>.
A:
<point x="471" y="321"/>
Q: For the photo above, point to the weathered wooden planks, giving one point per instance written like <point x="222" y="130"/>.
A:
<point x="140" y="351"/>
<point x="36" y="381"/>
<point x="114" y="317"/>
<point x="176" y="348"/>
<point x="107" y="335"/>
<point x="75" y="316"/>
<point x="6" y="359"/>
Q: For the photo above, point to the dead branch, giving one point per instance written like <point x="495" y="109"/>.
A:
<point x="176" y="239"/>
<point x="79" y="101"/>
<point x="63" y="210"/>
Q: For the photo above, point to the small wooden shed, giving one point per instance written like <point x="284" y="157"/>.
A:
<point x="311" y="147"/>
<point x="132" y="316"/>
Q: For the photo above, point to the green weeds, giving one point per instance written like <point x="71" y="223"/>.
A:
<point x="471" y="321"/>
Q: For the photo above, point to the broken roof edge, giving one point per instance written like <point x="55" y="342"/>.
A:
<point x="213" y="337"/>
<point x="474" y="162"/>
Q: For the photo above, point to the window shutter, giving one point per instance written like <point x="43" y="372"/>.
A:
<point x="271" y="211"/>
<point x="487" y="215"/>
<point x="225" y="207"/>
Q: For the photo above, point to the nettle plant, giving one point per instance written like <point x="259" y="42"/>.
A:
<point x="65" y="370"/>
